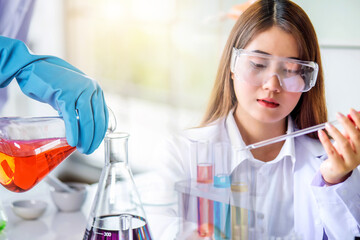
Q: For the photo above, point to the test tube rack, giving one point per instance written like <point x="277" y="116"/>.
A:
<point x="247" y="224"/>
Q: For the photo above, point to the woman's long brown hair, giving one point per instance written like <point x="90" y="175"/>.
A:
<point x="259" y="17"/>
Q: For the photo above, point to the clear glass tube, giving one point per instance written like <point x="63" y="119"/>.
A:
<point x="125" y="227"/>
<point x="204" y="162"/>
<point x="202" y="152"/>
<point x="288" y="135"/>
<point x="222" y="155"/>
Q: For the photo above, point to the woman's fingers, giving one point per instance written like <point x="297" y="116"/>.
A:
<point x="354" y="133"/>
<point x="344" y="155"/>
<point x="355" y="117"/>
<point x="342" y="143"/>
<point x="349" y="145"/>
<point x="333" y="169"/>
<point x="327" y="144"/>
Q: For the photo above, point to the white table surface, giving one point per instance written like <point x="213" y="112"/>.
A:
<point x="56" y="225"/>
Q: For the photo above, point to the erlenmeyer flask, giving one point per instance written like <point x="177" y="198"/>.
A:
<point x="116" y="196"/>
<point x="31" y="147"/>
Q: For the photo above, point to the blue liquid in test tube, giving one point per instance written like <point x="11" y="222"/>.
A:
<point x="222" y="210"/>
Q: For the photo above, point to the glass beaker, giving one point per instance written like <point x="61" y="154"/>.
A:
<point x="116" y="196"/>
<point x="31" y="147"/>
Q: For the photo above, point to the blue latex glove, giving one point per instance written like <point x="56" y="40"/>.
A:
<point x="52" y="80"/>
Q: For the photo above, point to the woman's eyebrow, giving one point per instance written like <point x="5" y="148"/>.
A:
<point x="259" y="51"/>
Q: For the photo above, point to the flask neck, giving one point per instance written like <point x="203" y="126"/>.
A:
<point x="116" y="148"/>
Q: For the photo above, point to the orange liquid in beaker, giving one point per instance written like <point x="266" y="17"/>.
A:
<point x="24" y="163"/>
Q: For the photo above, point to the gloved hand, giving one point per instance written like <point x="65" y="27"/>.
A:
<point x="52" y="80"/>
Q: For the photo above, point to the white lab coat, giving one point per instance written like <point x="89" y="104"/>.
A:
<point x="334" y="210"/>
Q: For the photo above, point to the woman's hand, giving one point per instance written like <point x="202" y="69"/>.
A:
<point x="344" y="155"/>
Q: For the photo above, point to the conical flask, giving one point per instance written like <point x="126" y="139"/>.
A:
<point x="31" y="147"/>
<point x="117" y="198"/>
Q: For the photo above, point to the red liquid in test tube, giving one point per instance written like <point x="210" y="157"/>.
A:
<point x="205" y="173"/>
<point x="205" y="217"/>
<point x="205" y="206"/>
<point x="205" y="176"/>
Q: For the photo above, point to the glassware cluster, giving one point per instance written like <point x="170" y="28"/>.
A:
<point x="221" y="203"/>
<point x="30" y="148"/>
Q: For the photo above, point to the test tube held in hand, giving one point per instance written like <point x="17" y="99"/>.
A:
<point x="297" y="133"/>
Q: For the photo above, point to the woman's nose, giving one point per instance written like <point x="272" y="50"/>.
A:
<point x="272" y="83"/>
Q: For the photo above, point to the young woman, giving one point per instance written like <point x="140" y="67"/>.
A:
<point x="270" y="82"/>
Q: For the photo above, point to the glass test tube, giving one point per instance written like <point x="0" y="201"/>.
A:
<point x="204" y="162"/>
<point x="222" y="160"/>
<point x="204" y="165"/>
<point x="239" y="211"/>
<point x="125" y="227"/>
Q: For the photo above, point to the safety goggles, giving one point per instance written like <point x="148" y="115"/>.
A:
<point x="257" y="68"/>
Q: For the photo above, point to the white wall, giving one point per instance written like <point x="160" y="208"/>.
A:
<point x="342" y="79"/>
<point x="337" y="26"/>
<point x="336" y="22"/>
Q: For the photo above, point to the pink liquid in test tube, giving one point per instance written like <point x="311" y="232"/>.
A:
<point x="205" y="206"/>
<point x="204" y="173"/>
<point x="205" y="217"/>
<point x="201" y="151"/>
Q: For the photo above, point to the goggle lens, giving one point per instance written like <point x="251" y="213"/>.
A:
<point x="256" y="68"/>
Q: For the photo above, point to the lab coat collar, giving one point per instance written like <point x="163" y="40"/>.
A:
<point x="237" y="142"/>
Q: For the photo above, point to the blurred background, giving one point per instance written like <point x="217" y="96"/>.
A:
<point x="157" y="59"/>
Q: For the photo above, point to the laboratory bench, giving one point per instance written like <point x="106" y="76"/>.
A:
<point x="57" y="225"/>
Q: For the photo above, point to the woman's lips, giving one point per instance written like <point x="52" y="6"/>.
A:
<point x="268" y="102"/>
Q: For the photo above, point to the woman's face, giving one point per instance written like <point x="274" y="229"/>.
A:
<point x="267" y="103"/>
